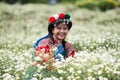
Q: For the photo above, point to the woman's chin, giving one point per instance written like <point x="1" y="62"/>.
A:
<point x="61" y="38"/>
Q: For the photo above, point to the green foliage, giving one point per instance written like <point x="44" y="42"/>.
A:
<point x="29" y="72"/>
<point x="33" y="1"/>
<point x="90" y="4"/>
<point x="101" y="4"/>
<point x="24" y="1"/>
<point x="66" y="1"/>
<point x="108" y="4"/>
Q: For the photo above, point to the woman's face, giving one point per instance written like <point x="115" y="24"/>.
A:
<point x="60" y="32"/>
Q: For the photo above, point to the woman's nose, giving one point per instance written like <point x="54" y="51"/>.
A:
<point x="62" y="30"/>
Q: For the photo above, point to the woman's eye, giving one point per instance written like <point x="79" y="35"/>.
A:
<point x="65" y="28"/>
<point x="58" y="28"/>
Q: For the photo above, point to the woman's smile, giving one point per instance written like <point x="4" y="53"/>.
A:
<point x="60" y="32"/>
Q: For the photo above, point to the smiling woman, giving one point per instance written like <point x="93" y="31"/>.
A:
<point x="60" y="32"/>
<point x="51" y="48"/>
<point x="58" y="28"/>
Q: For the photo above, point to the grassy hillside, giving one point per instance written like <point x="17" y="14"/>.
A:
<point x="94" y="33"/>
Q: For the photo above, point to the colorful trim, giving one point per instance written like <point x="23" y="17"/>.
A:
<point x="61" y="16"/>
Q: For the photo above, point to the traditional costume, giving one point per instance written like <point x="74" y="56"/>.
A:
<point x="64" y="48"/>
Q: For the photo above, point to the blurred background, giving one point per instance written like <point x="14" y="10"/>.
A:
<point x="27" y="20"/>
<point x="91" y="4"/>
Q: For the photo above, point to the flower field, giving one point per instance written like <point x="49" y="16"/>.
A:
<point x="95" y="35"/>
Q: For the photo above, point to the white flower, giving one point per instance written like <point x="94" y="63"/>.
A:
<point x="53" y="78"/>
<point x="26" y="54"/>
<point x="91" y="78"/>
<point x="54" y="49"/>
<point x="60" y="71"/>
<point x="102" y="78"/>
<point x="7" y="76"/>
<point x="79" y="71"/>
<point x="46" y="55"/>
<point x="37" y="58"/>
<point x="33" y="78"/>
<point x="40" y="66"/>
<point x="99" y="72"/>
<point x="117" y="72"/>
<point x="71" y="69"/>
<point x="89" y="70"/>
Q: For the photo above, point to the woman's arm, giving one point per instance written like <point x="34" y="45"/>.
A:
<point x="69" y="50"/>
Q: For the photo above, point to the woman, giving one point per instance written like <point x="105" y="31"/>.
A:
<point x="58" y="28"/>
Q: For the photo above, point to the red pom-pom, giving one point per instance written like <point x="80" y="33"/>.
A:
<point x="52" y="19"/>
<point x="61" y="16"/>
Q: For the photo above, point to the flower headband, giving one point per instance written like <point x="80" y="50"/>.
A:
<point x="58" y="18"/>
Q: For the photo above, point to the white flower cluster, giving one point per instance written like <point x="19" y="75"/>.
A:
<point x="96" y="37"/>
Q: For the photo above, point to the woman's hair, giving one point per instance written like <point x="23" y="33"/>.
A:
<point x="57" y="19"/>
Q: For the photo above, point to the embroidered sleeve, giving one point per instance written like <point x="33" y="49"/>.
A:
<point x="45" y="42"/>
<point x="70" y="50"/>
